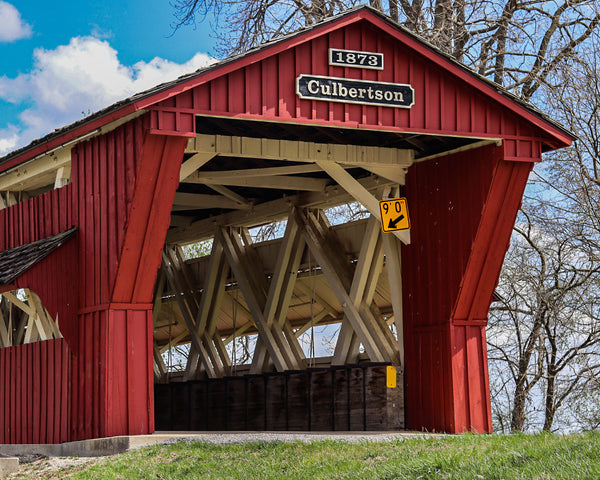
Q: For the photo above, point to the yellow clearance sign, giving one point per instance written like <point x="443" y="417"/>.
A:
<point x="394" y="214"/>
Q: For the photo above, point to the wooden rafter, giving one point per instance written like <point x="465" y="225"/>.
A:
<point x="269" y="211"/>
<point x="279" y="182"/>
<point x="190" y="201"/>
<point x="297" y="151"/>
<point x="358" y="192"/>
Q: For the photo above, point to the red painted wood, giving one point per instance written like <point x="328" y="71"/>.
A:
<point x="27" y="402"/>
<point x="155" y="187"/>
<point x="448" y="198"/>
<point x="123" y="183"/>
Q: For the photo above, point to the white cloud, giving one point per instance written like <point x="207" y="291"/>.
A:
<point x="8" y="139"/>
<point x="73" y="80"/>
<point x="12" y="27"/>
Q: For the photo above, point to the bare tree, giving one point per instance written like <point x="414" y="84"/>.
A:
<point x="551" y="277"/>
<point x="515" y="43"/>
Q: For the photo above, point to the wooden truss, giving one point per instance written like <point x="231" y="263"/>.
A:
<point x="25" y="320"/>
<point x="386" y="165"/>
<point x="235" y="265"/>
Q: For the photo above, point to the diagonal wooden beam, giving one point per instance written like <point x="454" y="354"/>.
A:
<point x="5" y="337"/>
<point x="273" y="210"/>
<point x="358" y="192"/>
<point x="266" y="172"/>
<point x="253" y="294"/>
<point x="194" y="163"/>
<point x="186" y="201"/>
<point x="314" y="242"/>
<point x="176" y="284"/>
<point x="361" y="274"/>
<point x="231" y="195"/>
<point x="279" y="296"/>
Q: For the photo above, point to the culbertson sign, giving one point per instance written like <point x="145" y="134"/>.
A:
<point x="333" y="89"/>
<point x="364" y="92"/>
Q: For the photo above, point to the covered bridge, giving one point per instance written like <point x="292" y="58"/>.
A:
<point x="354" y="109"/>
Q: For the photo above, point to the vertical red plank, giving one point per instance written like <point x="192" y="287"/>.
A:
<point x="286" y="79"/>
<point x="117" y="374"/>
<point x="36" y="392"/>
<point x="138" y="329"/>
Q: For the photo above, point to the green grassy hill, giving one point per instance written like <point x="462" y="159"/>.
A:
<point x="453" y="457"/>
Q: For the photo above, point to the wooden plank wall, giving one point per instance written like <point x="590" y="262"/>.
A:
<point x="34" y="392"/>
<point x="462" y="224"/>
<point x="100" y="283"/>
<point x="335" y="399"/>
<point x="36" y="218"/>
<point x="263" y="88"/>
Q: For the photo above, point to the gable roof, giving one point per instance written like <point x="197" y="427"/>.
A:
<point x="146" y="99"/>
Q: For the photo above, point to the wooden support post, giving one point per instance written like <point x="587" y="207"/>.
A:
<point x="160" y="369"/>
<point x="357" y="290"/>
<point x="392" y="250"/>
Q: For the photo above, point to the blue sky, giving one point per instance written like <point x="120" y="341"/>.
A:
<point x="62" y="60"/>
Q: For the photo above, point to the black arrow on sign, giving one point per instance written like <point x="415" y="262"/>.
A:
<point x="393" y="223"/>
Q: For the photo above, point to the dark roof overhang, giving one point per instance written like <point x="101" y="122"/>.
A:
<point x="16" y="261"/>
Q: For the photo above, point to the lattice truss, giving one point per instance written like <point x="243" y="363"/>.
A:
<point x="24" y="319"/>
<point x="316" y="274"/>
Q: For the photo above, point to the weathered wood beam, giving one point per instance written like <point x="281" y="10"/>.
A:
<point x="160" y="369"/>
<point x="393" y="255"/>
<point x="267" y="212"/>
<point x="265" y="172"/>
<point x="203" y="201"/>
<point x="278" y="182"/>
<point x="311" y="323"/>
<point x="357" y="290"/>
<point x="395" y="174"/>
<point x="63" y="174"/>
<point x="253" y="293"/>
<point x="358" y="192"/>
<point x="5" y="334"/>
<point x="230" y="194"/>
<point x="315" y="241"/>
<point x="194" y="163"/>
<point x="297" y="151"/>
<point x="20" y="177"/>
<point x="279" y="297"/>
<point x="177" y="285"/>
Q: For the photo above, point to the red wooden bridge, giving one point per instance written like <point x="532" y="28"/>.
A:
<point x="94" y="286"/>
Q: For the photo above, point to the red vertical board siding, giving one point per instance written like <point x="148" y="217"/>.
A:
<point x="104" y="172"/>
<point x="266" y="89"/>
<point x="149" y="218"/>
<point x="129" y="401"/>
<point x="42" y="421"/>
<point x="36" y="218"/>
<point x="447" y="197"/>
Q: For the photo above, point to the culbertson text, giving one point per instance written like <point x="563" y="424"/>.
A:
<point x="365" y="92"/>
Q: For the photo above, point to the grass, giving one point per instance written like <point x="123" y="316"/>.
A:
<point x="470" y="457"/>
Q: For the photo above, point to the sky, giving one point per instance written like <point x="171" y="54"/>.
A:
<point x="61" y="61"/>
